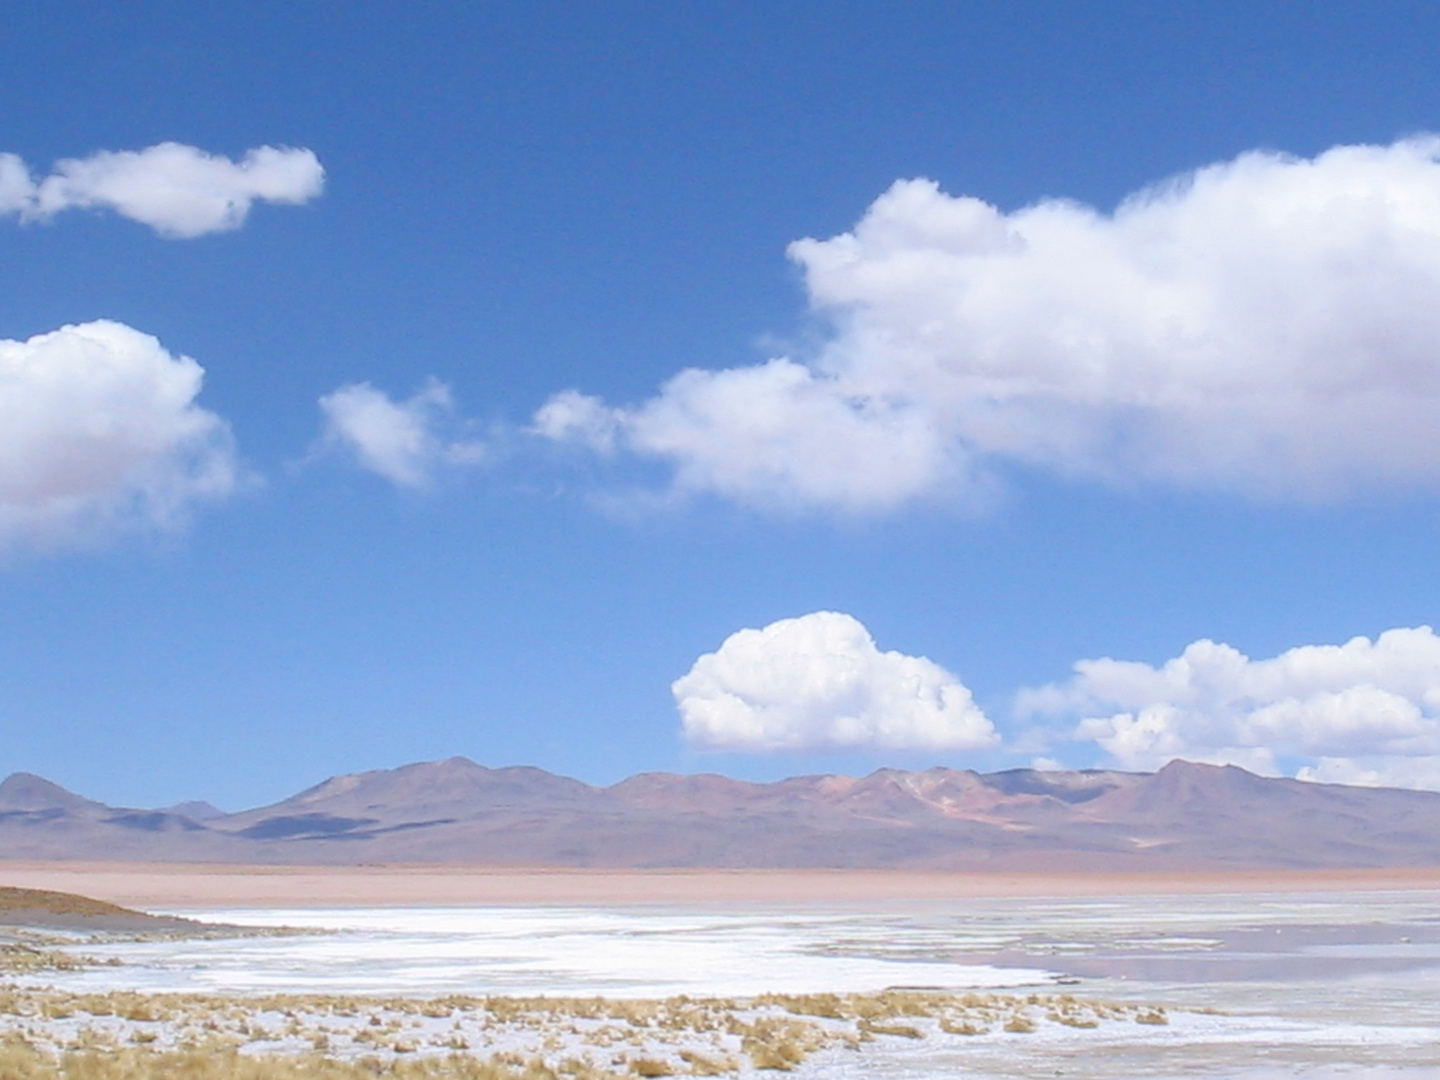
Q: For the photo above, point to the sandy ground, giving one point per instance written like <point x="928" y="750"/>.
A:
<point x="187" y="885"/>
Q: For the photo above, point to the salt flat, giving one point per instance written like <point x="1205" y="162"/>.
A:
<point x="1314" y="984"/>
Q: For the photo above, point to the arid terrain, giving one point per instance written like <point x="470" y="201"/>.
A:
<point x="1239" y="984"/>
<point x="201" y="886"/>
<point x="53" y="1032"/>
<point x="1185" y="817"/>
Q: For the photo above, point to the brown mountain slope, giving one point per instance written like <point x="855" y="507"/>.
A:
<point x="41" y="820"/>
<point x="455" y="811"/>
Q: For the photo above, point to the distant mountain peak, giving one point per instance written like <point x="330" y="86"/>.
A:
<point x="195" y="810"/>
<point x="1178" y="771"/>
<point x="26" y="791"/>
<point x="457" y="765"/>
<point x="1181" y="766"/>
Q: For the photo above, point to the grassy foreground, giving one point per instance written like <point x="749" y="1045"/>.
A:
<point x="23" y="1062"/>
<point x="57" y="1035"/>
<point x="47" y="1033"/>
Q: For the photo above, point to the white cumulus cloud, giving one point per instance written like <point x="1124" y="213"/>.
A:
<point x="1265" y="325"/>
<point x="177" y="190"/>
<point x="1362" y="712"/>
<point x="99" y="432"/>
<point x="1403" y="772"/>
<point x="818" y="682"/>
<point x="403" y="441"/>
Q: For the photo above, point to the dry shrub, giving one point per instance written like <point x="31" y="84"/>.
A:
<point x="773" y="1042"/>
<point x="963" y="1027"/>
<point x="146" y="1008"/>
<point x="826" y="1006"/>
<point x="904" y="1031"/>
<point x="782" y="1056"/>
<point x="701" y="1065"/>
<point x="19" y="959"/>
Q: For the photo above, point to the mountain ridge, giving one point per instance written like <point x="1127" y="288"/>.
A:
<point x="1183" y="816"/>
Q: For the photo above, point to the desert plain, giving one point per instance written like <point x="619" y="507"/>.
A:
<point x="424" y="971"/>
<point x="225" y="885"/>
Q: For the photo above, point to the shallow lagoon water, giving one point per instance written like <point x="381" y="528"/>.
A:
<point x="1321" y="986"/>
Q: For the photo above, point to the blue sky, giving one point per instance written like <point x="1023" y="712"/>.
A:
<point x="525" y="199"/>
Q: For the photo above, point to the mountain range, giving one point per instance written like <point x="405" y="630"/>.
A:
<point x="1184" y="816"/>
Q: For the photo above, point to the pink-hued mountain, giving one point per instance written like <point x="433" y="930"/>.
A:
<point x="1185" y="816"/>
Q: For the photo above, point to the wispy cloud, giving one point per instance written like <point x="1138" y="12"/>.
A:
<point x="1263" y="326"/>
<point x="179" y="191"/>
<point x="405" y="442"/>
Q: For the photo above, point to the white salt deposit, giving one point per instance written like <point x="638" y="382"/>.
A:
<point x="615" y="952"/>
<point x="1258" y="987"/>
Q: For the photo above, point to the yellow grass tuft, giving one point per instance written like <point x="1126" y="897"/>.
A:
<point x="904" y="1031"/>
<point x="57" y="1035"/>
